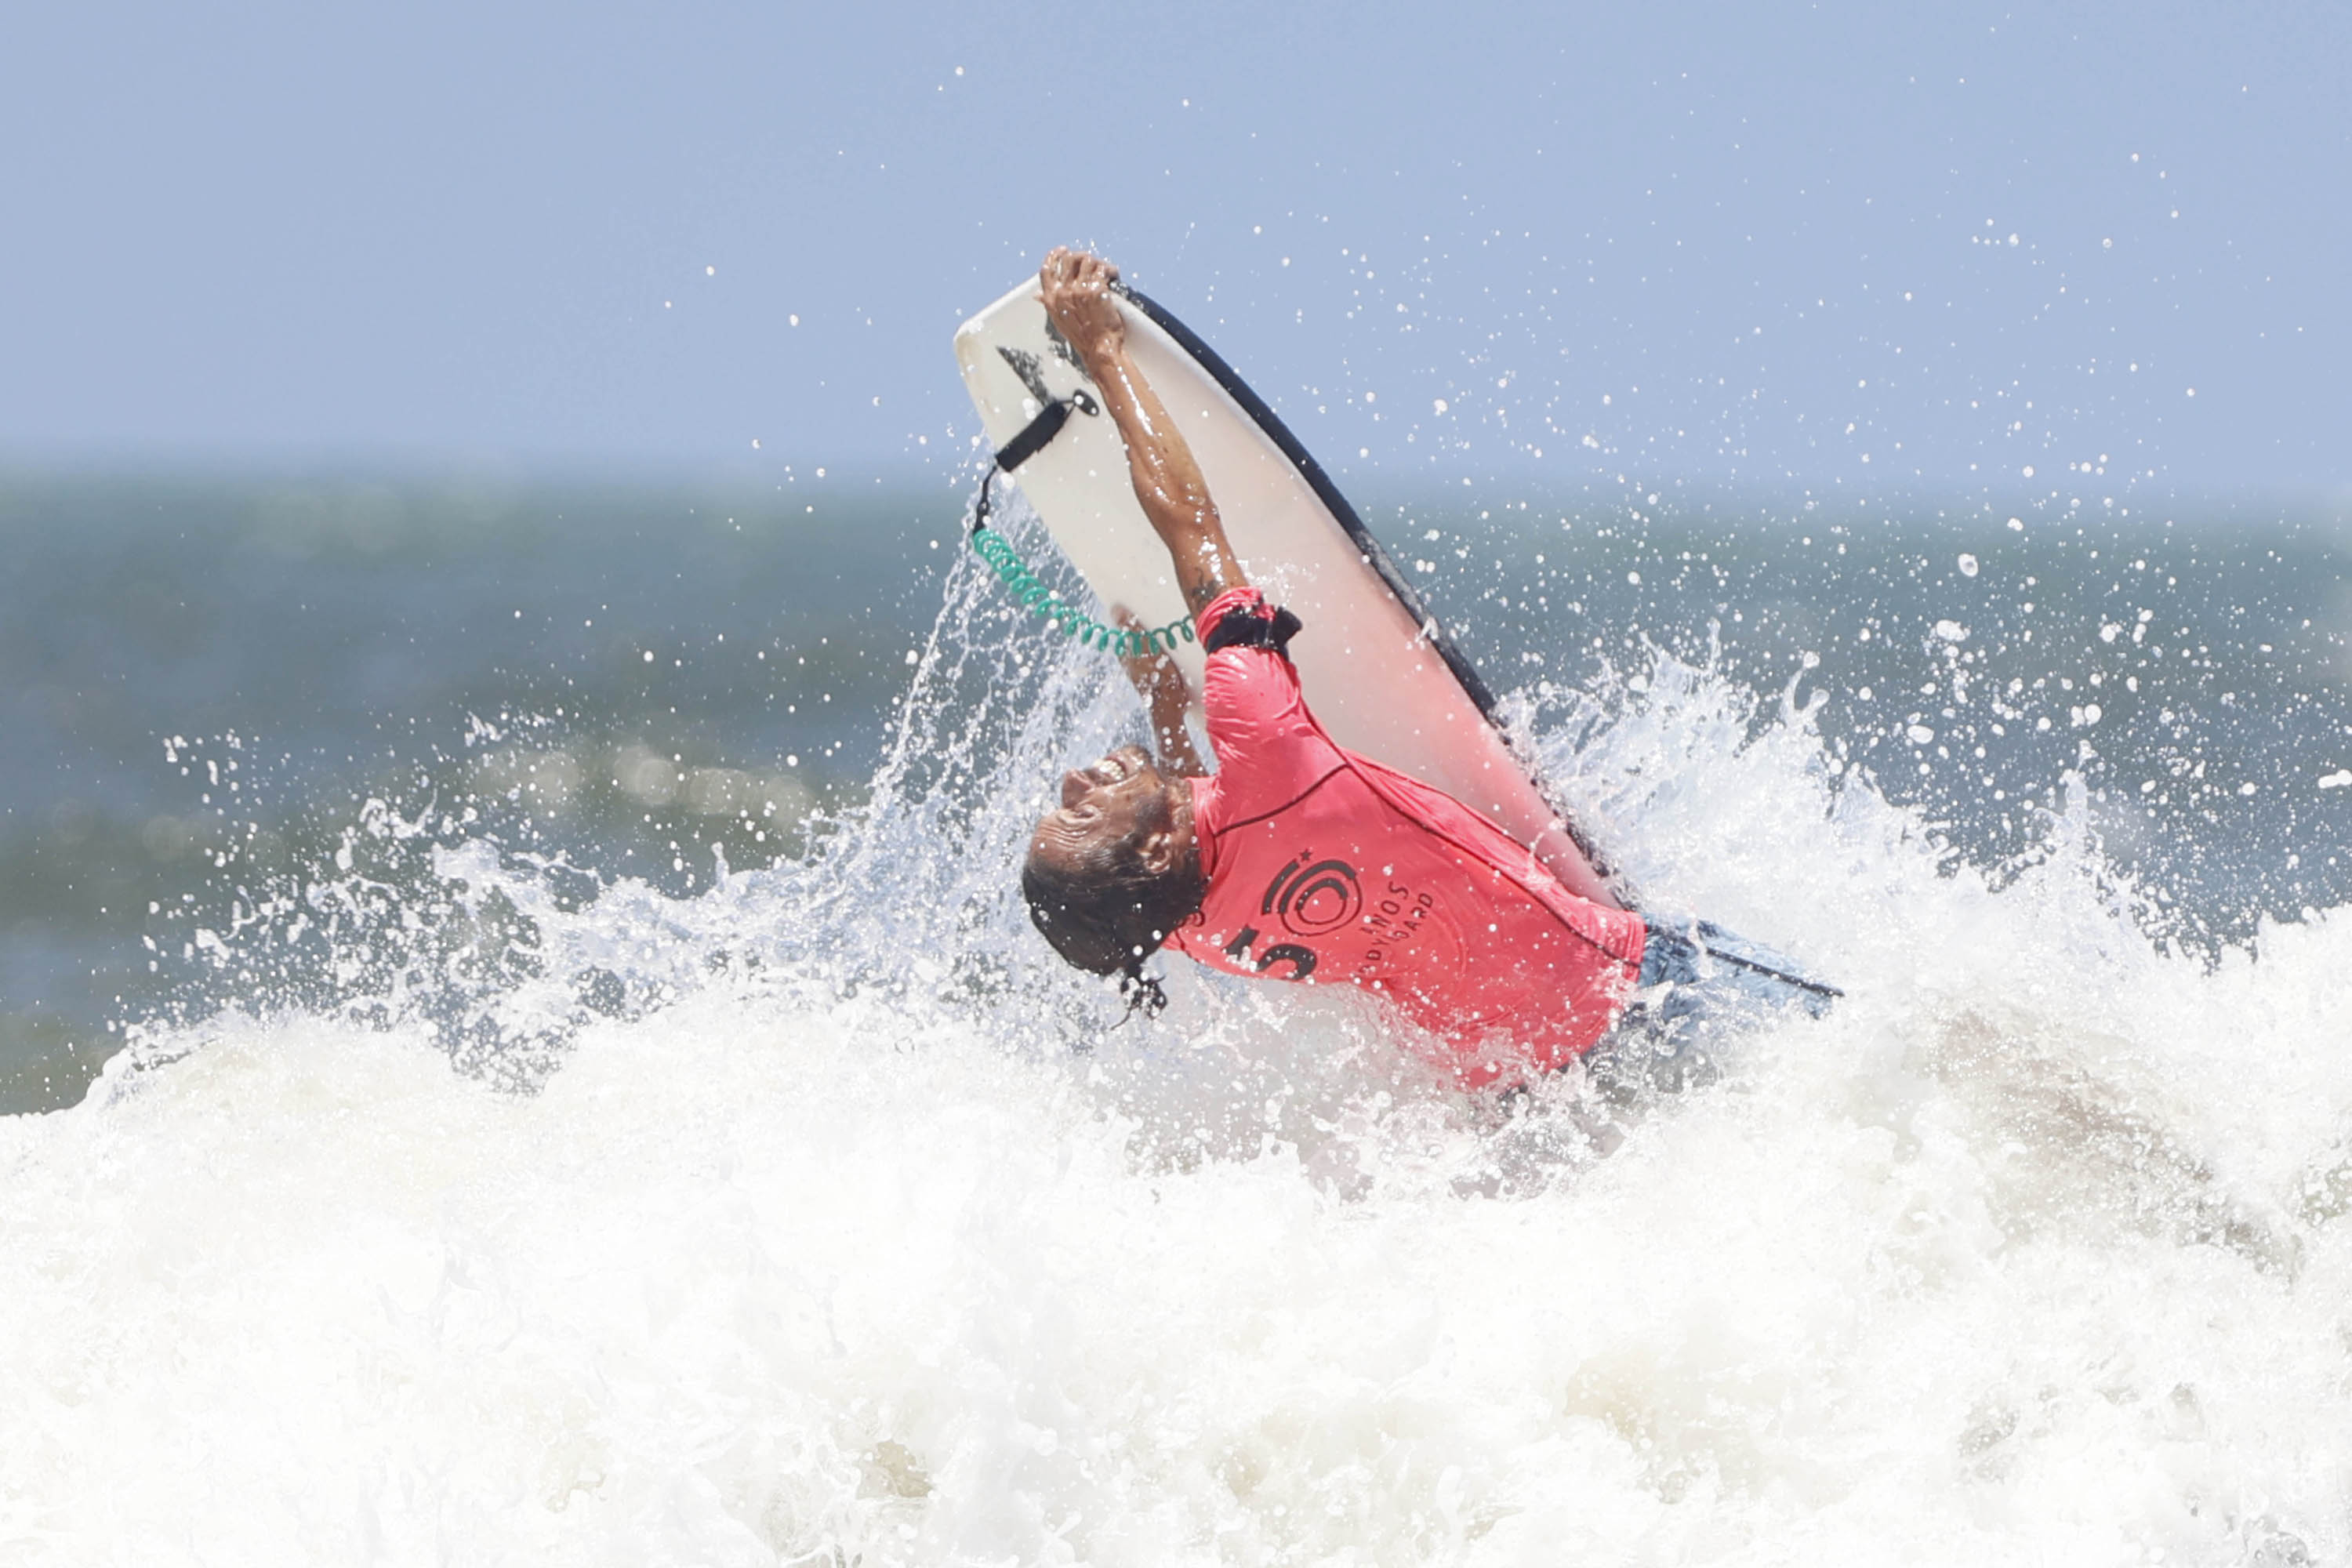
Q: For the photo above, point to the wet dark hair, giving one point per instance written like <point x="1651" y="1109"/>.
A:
<point x="1113" y="910"/>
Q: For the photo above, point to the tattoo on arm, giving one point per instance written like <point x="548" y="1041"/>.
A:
<point x="1215" y="573"/>
<point x="1168" y="480"/>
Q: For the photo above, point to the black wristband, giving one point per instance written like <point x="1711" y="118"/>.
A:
<point x="1246" y="625"/>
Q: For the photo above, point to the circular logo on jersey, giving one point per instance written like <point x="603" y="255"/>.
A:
<point x="1315" y="899"/>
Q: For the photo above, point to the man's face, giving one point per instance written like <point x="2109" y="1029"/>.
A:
<point x="1105" y="804"/>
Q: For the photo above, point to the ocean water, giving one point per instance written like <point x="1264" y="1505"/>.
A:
<point x="209" y="678"/>
<point x="590" y="1108"/>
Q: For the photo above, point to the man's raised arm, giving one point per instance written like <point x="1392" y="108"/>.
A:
<point x="1168" y="482"/>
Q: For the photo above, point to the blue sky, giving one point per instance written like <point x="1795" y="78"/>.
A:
<point x="1771" y="246"/>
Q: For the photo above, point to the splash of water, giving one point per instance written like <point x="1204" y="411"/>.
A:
<point x="821" y="1218"/>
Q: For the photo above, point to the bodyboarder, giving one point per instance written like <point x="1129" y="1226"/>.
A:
<point x="1299" y="860"/>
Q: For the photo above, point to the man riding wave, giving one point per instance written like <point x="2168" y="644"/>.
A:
<point x="1300" y="860"/>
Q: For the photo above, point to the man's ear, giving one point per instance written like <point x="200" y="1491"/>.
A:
<point x="1165" y="846"/>
<point x="1161" y="851"/>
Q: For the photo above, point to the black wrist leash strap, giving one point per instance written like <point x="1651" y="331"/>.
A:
<point x="1034" y="596"/>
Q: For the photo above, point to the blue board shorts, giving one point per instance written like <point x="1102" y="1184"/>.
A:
<point x="1700" y="987"/>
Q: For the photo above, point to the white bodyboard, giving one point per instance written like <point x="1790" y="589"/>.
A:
<point x="1376" y="668"/>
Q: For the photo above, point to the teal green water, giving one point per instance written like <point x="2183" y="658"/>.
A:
<point x="209" y="678"/>
<point x="206" y="678"/>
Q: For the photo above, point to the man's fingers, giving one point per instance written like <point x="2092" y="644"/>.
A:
<point x="1067" y="266"/>
<point x="1075" y="288"/>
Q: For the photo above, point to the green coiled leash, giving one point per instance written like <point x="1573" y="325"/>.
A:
<point x="1034" y="596"/>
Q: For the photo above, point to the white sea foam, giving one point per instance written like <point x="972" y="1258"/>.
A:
<point x="837" y="1252"/>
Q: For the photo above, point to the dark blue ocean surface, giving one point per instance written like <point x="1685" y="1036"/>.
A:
<point x="210" y="679"/>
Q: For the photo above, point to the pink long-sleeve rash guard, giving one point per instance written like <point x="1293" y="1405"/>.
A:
<point x="1324" y="867"/>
